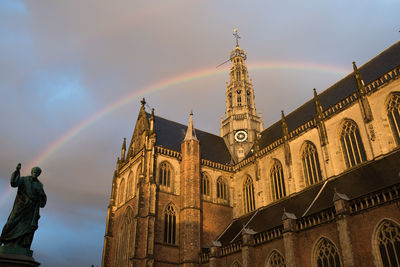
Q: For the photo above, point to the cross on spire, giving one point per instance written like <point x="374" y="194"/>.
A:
<point x="237" y="37"/>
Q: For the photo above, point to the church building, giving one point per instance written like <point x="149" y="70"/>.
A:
<point x="318" y="188"/>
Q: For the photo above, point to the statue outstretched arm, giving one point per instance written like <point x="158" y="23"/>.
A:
<point x="15" y="177"/>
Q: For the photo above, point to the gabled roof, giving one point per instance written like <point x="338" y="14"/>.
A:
<point x="170" y="134"/>
<point x="370" y="71"/>
<point x="366" y="178"/>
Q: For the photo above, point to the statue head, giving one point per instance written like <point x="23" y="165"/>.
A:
<point x="36" y="171"/>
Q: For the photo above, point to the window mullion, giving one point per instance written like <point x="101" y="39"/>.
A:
<point x="352" y="149"/>
<point x="315" y="158"/>
<point x="311" y="170"/>
<point x="358" y="146"/>
<point x="346" y="146"/>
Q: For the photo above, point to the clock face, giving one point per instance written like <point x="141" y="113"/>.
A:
<point x="241" y="136"/>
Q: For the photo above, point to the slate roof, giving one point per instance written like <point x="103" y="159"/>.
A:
<point x="370" y="71"/>
<point x="366" y="178"/>
<point x="170" y="134"/>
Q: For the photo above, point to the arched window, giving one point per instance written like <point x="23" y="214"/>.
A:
<point x="121" y="191"/>
<point x="130" y="189"/>
<point x="222" y="189"/>
<point x="352" y="146"/>
<point x="249" y="98"/>
<point x="205" y="184"/>
<point x="325" y="254"/>
<point x="124" y="241"/>
<point x="239" y="100"/>
<point x="164" y="176"/>
<point x="248" y="195"/>
<point x="393" y="111"/>
<point x="276" y="260"/>
<point x="312" y="170"/>
<point x="238" y="77"/>
<point x="388" y="243"/>
<point x="277" y="181"/>
<point x="170" y="225"/>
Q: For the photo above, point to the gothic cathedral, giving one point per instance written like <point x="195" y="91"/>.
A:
<point x="320" y="187"/>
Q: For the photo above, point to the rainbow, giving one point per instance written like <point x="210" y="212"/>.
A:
<point x="170" y="82"/>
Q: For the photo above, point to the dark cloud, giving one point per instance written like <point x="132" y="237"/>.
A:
<point x="62" y="62"/>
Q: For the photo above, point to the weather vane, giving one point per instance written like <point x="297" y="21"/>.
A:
<point x="237" y="37"/>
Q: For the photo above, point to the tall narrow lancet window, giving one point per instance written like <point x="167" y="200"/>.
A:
<point x="121" y="192"/>
<point x="393" y="111"/>
<point x="222" y="189"/>
<point x="205" y="184"/>
<point x="277" y="181"/>
<point x="130" y="189"/>
<point x="276" y="260"/>
<point x="311" y="167"/>
<point x="124" y="245"/>
<point x="326" y="254"/>
<point x="248" y="195"/>
<point x="238" y="75"/>
<point x="170" y="225"/>
<point x="388" y="243"/>
<point x="249" y="98"/>
<point x="352" y="146"/>
<point x="165" y="174"/>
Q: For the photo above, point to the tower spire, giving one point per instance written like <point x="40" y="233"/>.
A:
<point x="190" y="133"/>
<point x="241" y="125"/>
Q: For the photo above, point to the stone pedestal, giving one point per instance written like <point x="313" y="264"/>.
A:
<point x="17" y="257"/>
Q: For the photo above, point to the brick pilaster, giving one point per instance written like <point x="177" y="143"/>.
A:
<point x="248" y="242"/>
<point x="341" y="207"/>
<point x="214" y="254"/>
<point x="289" y="238"/>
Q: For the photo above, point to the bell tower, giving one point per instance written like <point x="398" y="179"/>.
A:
<point x="241" y="124"/>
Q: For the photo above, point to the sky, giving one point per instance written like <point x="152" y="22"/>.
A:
<point x="72" y="74"/>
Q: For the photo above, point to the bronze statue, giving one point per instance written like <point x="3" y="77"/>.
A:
<point x="23" y="220"/>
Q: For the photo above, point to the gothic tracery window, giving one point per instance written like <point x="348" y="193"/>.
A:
<point x="393" y="112"/>
<point x="170" y="225"/>
<point x="249" y="98"/>
<point x="130" y="189"/>
<point x="164" y="177"/>
<point x="326" y="254"/>
<point x="236" y="264"/>
<point x="388" y="242"/>
<point x="248" y="195"/>
<point x="311" y="167"/>
<point x="352" y="146"/>
<point x="205" y="184"/>
<point x="121" y="191"/>
<point x="222" y="189"/>
<point x="276" y="260"/>
<point x="125" y="239"/>
<point x="138" y="171"/>
<point x="277" y="181"/>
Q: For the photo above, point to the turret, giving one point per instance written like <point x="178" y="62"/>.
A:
<point x="190" y="231"/>
<point x="362" y="95"/>
<point x="123" y="150"/>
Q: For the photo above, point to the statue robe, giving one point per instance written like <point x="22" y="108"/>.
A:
<point x="23" y="220"/>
